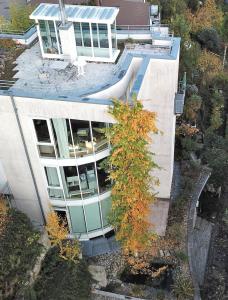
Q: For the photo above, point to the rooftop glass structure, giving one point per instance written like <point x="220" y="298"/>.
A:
<point x="90" y="32"/>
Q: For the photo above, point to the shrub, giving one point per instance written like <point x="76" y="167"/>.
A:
<point x="182" y="287"/>
<point x="60" y="279"/>
<point x="19" y="249"/>
<point x="209" y="39"/>
<point x="7" y="44"/>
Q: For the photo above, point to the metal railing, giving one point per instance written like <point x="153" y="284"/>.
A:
<point x="140" y="27"/>
<point x="5" y="30"/>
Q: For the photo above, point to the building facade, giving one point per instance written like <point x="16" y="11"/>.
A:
<point x="53" y="141"/>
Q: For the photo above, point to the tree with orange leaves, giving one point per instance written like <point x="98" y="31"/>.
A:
<point x="209" y="65"/>
<point x="207" y="16"/>
<point x="3" y="215"/>
<point x="131" y="165"/>
<point x="58" y="233"/>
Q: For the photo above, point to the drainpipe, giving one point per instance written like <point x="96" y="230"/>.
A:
<point x="62" y="11"/>
<point x="28" y="159"/>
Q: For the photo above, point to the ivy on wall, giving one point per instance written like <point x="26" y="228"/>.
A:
<point x="131" y="164"/>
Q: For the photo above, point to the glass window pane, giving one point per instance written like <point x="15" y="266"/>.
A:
<point x="62" y="134"/>
<point x="86" y="34"/>
<point x="48" y="36"/>
<point x="77" y="32"/>
<point x="55" y="194"/>
<point x="52" y="176"/>
<point x="46" y="151"/>
<point x="100" y="140"/>
<point x="95" y="35"/>
<point x="93" y="219"/>
<point x="88" y="180"/>
<point x="42" y="132"/>
<point x="103" y="181"/>
<point x="103" y="35"/>
<point x="82" y="138"/>
<point x="77" y="219"/>
<point x="101" y="52"/>
<point x="113" y="30"/>
<point x="70" y="182"/>
<point x="106" y="206"/>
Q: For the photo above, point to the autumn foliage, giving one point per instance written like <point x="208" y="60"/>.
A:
<point x="3" y="215"/>
<point x="209" y="64"/>
<point x="207" y="16"/>
<point x="58" y="234"/>
<point x="131" y="165"/>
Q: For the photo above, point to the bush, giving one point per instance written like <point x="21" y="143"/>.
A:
<point x="209" y="39"/>
<point x="60" y="279"/>
<point x="19" y="249"/>
<point x="182" y="287"/>
<point x="7" y="44"/>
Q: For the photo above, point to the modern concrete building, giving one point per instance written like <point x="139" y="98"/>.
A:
<point x="54" y="115"/>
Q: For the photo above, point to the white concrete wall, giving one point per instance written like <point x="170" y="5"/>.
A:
<point x="15" y="163"/>
<point x="118" y="90"/>
<point x="158" y="92"/>
<point x="12" y="153"/>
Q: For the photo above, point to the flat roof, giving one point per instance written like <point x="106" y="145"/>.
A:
<point x="131" y="12"/>
<point x="75" y="13"/>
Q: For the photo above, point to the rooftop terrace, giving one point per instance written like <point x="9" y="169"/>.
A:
<point x="42" y="78"/>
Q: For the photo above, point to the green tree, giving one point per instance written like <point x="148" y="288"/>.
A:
<point x="192" y="106"/>
<point x="216" y="119"/>
<point x="60" y="279"/>
<point x="215" y="154"/>
<point x="171" y="8"/>
<point x="19" y="249"/>
<point x="19" y="15"/>
<point x="209" y="39"/>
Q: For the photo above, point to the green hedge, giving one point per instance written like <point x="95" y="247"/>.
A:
<point x="60" y="279"/>
<point x="19" y="249"/>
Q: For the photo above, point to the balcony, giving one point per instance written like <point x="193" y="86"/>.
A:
<point x="180" y="97"/>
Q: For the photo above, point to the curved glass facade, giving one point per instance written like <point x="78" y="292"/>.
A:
<point x="85" y="183"/>
<point x="70" y="138"/>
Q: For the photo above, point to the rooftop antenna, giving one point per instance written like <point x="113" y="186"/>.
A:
<point x="62" y="11"/>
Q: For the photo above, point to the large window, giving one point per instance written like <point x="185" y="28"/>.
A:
<point x="63" y="138"/>
<point x="95" y="35"/>
<point x="86" y="34"/>
<point x="70" y="181"/>
<point x="81" y="137"/>
<point x="54" y="189"/>
<point x="44" y="142"/>
<point x="77" y="219"/>
<point x="103" y="35"/>
<point x="88" y="180"/>
<point x="78" y="34"/>
<point x="98" y="33"/>
<point x="48" y="36"/>
<point x="93" y="219"/>
<point x="100" y="140"/>
<point x="42" y="132"/>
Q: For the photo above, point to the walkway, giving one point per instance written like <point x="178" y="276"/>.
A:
<point x="201" y="244"/>
<point x="193" y="239"/>
<point x="99" y="246"/>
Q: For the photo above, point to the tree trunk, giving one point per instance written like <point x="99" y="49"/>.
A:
<point x="224" y="55"/>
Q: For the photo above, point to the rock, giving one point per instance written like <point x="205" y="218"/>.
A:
<point x="161" y="253"/>
<point x="99" y="274"/>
